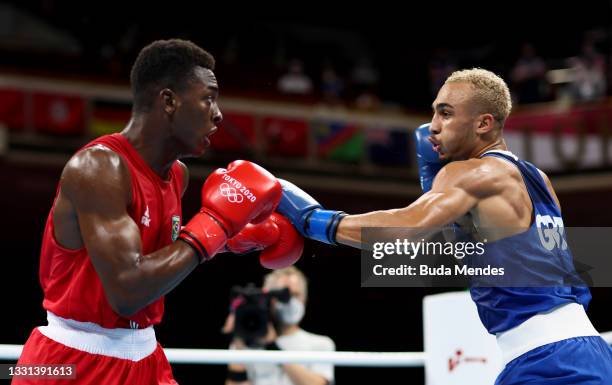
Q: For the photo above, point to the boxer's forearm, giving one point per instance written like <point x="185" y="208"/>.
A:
<point x="350" y="229"/>
<point x="150" y="277"/>
<point x="422" y="218"/>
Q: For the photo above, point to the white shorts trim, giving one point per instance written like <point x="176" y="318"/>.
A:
<point x="563" y="322"/>
<point x="129" y="344"/>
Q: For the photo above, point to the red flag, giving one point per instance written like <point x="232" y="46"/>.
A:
<point x="286" y="137"/>
<point x="58" y="114"/>
<point x="12" y="112"/>
<point x="236" y="133"/>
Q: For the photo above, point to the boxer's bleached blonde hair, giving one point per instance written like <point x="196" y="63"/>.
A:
<point x="271" y="278"/>
<point x="491" y="92"/>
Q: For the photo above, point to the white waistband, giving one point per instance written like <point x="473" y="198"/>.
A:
<point x="129" y="344"/>
<point x="565" y="321"/>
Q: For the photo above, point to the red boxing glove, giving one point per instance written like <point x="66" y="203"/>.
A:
<point x="282" y="245"/>
<point x="231" y="198"/>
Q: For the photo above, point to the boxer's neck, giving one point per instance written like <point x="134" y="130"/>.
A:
<point x="151" y="143"/>
<point x="498" y="144"/>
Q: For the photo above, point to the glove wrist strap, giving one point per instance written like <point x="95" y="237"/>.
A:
<point x="321" y="225"/>
<point x="205" y="235"/>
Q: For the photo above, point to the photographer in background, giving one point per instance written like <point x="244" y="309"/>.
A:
<point x="284" y="333"/>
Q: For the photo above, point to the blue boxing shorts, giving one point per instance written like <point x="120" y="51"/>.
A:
<point x="573" y="361"/>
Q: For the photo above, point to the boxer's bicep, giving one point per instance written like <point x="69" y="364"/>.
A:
<point x="439" y="208"/>
<point x="113" y="244"/>
<point x="457" y="189"/>
<point x="96" y="185"/>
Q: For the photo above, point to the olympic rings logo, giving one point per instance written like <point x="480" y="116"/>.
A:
<point x="230" y="193"/>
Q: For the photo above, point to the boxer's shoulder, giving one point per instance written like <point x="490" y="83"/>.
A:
<point x="95" y="171"/>
<point x="478" y="176"/>
<point x="95" y="160"/>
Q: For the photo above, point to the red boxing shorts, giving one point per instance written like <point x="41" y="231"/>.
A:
<point x="99" y="355"/>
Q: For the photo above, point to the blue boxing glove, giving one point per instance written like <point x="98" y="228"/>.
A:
<point x="307" y="215"/>
<point x="427" y="159"/>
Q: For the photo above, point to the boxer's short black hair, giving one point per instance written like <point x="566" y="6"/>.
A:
<point x="165" y="64"/>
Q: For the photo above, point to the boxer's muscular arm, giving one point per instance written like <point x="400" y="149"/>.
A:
<point x="458" y="187"/>
<point x="97" y="184"/>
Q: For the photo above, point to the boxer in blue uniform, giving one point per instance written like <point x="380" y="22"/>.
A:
<point x="470" y="179"/>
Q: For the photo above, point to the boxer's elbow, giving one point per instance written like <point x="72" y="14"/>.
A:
<point x="124" y="309"/>
<point x="129" y="293"/>
<point x="124" y="302"/>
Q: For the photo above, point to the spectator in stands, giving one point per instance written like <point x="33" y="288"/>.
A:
<point x="364" y="84"/>
<point x="368" y="100"/>
<point x="589" y="72"/>
<point x="332" y="85"/>
<point x="364" y="75"/>
<point x="528" y="77"/>
<point x="295" y="81"/>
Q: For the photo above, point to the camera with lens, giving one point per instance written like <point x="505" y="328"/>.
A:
<point x="253" y="311"/>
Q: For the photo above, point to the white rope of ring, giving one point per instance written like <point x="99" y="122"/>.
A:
<point x="220" y="356"/>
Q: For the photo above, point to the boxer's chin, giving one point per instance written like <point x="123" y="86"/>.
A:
<point x="193" y="153"/>
<point x="199" y="148"/>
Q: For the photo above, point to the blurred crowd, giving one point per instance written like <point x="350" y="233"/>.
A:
<point x="300" y="62"/>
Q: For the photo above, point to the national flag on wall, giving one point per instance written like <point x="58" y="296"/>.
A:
<point x="58" y="114"/>
<point x="286" y="137"/>
<point x="389" y="146"/>
<point x="236" y="133"/>
<point x="339" y="141"/>
<point x="12" y="113"/>
<point x="108" y="119"/>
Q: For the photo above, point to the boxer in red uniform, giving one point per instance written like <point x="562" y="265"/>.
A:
<point x="113" y="244"/>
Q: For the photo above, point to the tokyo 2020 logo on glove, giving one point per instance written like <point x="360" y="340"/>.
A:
<point x="230" y="193"/>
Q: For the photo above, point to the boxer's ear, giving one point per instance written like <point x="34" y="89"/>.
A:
<point x="168" y="98"/>
<point x="485" y="123"/>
